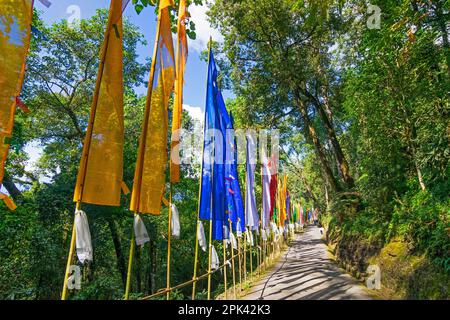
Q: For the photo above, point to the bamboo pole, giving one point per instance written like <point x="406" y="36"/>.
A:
<point x="141" y="152"/>
<point x="232" y="263"/>
<point x="251" y="255"/>
<point x="210" y="258"/>
<point x="240" y="261"/>
<point x="169" y="242"/>
<point x="245" y="256"/>
<point x="130" y="265"/>
<point x="69" y="260"/>
<point x="225" y="267"/>
<point x="87" y="144"/>
<point x="194" y="277"/>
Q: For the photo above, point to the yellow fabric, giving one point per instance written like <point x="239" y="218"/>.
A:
<point x="8" y="202"/>
<point x="101" y="166"/>
<point x="124" y="188"/>
<point x="164" y="4"/>
<point x="15" y="31"/>
<point x="182" y="53"/>
<point x="150" y="173"/>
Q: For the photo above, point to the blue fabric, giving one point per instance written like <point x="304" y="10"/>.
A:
<point x="288" y="206"/>
<point x="238" y="214"/>
<point x="213" y="188"/>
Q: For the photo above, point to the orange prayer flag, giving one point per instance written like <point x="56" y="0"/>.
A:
<point x="150" y="173"/>
<point x="8" y="201"/>
<point x="15" y="33"/>
<point x="100" y="174"/>
<point x="182" y="53"/>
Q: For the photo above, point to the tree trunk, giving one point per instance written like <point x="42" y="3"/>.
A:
<point x="442" y="23"/>
<point x="9" y="184"/>
<point x="312" y="134"/>
<point x="118" y="248"/>
<point x="337" y="150"/>
<point x="152" y="265"/>
<point x="137" y="254"/>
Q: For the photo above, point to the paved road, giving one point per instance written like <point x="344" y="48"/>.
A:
<point x="306" y="272"/>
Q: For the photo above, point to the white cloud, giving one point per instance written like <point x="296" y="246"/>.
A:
<point x="194" y="112"/>
<point x="203" y="29"/>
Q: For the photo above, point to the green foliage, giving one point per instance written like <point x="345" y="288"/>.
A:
<point x="139" y="5"/>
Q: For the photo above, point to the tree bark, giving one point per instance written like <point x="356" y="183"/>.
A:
<point x="137" y="254"/>
<point x="312" y="134"/>
<point x="9" y="184"/>
<point x="118" y="249"/>
<point x="442" y="23"/>
<point x="337" y="150"/>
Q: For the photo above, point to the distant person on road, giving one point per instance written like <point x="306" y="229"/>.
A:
<point x="316" y="216"/>
<point x="309" y="216"/>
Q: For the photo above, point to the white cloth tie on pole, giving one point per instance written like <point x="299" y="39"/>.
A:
<point x="175" y="222"/>
<point x="83" y="237"/>
<point x="274" y="228"/>
<point x="215" y="262"/>
<point x="238" y="230"/>
<point x="201" y="236"/>
<point x="233" y="241"/>
<point x="264" y="235"/>
<point x="140" y="231"/>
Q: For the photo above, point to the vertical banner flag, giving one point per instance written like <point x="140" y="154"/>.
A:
<point x="180" y="63"/>
<point x="251" y="212"/>
<point x="301" y="216"/>
<point x="150" y="172"/>
<point x="15" y="33"/>
<point x="212" y="193"/>
<point x="288" y="206"/>
<point x="266" y="192"/>
<point x="273" y="184"/>
<point x="238" y="215"/>
<point x="279" y="206"/>
<point x="100" y="173"/>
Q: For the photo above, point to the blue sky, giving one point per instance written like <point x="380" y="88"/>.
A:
<point x="196" y="70"/>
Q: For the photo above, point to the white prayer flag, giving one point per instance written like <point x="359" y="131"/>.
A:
<point x="176" y="230"/>
<point x="201" y="236"/>
<point x="140" y="232"/>
<point x="83" y="237"/>
<point x="215" y="262"/>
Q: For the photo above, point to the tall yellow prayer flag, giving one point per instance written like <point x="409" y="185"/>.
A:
<point x="100" y="174"/>
<point x="149" y="176"/>
<point x="15" y="32"/>
<point x="182" y="53"/>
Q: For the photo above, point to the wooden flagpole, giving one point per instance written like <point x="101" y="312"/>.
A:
<point x="210" y="257"/>
<point x="239" y="259"/>
<point x="225" y="267"/>
<point x="169" y="243"/>
<point x="232" y="261"/>
<point x="194" y="277"/>
<point x="87" y="141"/>
<point x="143" y="137"/>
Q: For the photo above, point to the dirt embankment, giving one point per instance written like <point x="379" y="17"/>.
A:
<point x="404" y="275"/>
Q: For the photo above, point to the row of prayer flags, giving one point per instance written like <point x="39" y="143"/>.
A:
<point x="100" y="175"/>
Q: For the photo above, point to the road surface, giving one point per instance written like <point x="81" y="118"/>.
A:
<point x="305" y="271"/>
